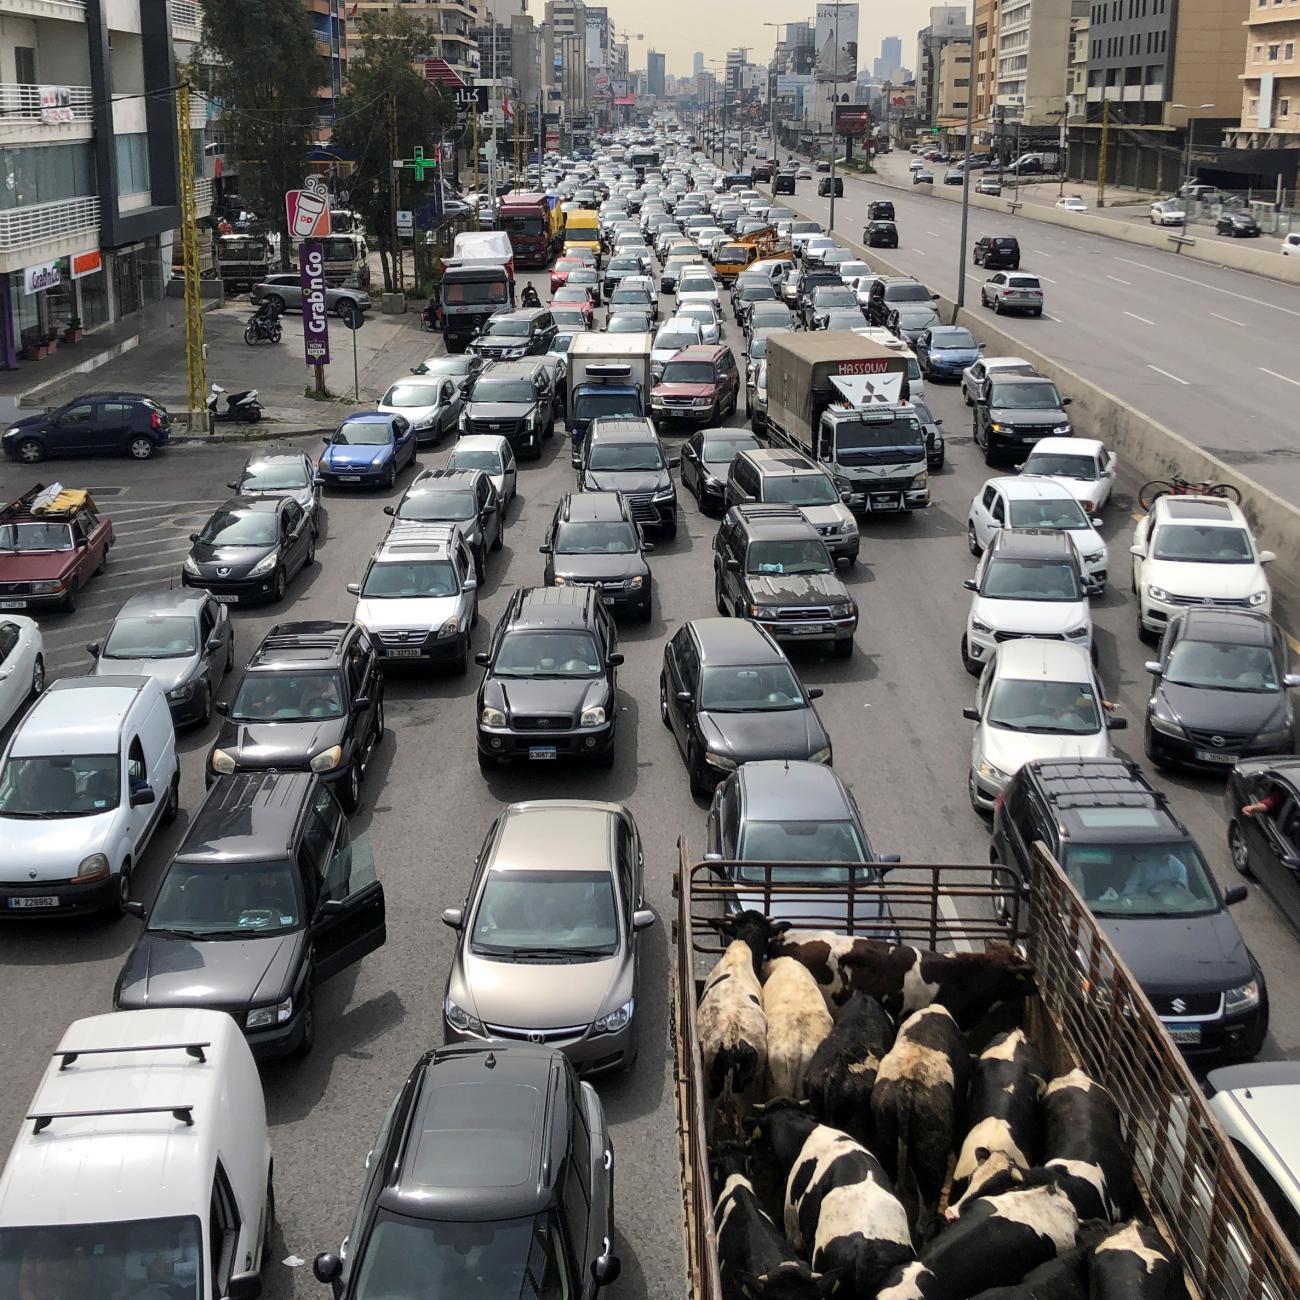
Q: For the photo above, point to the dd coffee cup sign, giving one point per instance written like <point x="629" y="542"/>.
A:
<point x="308" y="210"/>
<point x="315" y="315"/>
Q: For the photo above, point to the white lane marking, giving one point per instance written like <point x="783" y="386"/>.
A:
<point x="976" y="278"/>
<point x="1229" y="319"/>
<point x="113" y="508"/>
<point x="1048" y="278"/>
<point x="1230" y="293"/>
<point x="1118" y="280"/>
<point x="933" y="233"/>
<point x="1040" y="252"/>
<point x="1143" y="319"/>
<point x="1047" y="315"/>
<point x="153" y="543"/>
<point x="949" y="910"/>
<point x="1167" y="375"/>
<point x="1286" y="379"/>
<point x="918" y="252"/>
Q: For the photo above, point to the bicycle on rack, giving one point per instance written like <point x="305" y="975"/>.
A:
<point x="1181" y="487"/>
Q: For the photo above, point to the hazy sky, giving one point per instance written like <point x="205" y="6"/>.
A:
<point x="679" y="27"/>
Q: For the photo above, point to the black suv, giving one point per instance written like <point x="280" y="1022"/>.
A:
<point x="515" y="399"/>
<point x="997" y="252"/>
<point x="771" y="565"/>
<point x="506" y="335"/>
<point x="464" y="497"/>
<point x="880" y="210"/>
<point x="806" y="282"/>
<point x="266" y="897"/>
<point x="1144" y="878"/>
<point x="825" y="299"/>
<point x="593" y="541"/>
<point x="1014" y="411"/>
<point x="621" y="454"/>
<point x="891" y="293"/>
<point x="492" y="1174"/>
<point x="880" y="234"/>
<point x="310" y="699"/>
<point x="551" y="685"/>
<point x="95" y="423"/>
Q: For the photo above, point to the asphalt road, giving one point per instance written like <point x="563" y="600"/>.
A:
<point x="893" y="709"/>
<point x="1212" y="353"/>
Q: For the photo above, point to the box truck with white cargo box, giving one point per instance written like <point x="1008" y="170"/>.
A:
<point x="609" y="374"/>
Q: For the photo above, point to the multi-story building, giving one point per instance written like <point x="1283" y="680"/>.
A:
<point x="564" y="56"/>
<point x="734" y="70"/>
<point x="1076" y="69"/>
<point x="450" y="24"/>
<point x="984" y="66"/>
<point x="654" y="73"/>
<point x="1270" y="82"/>
<point x="697" y="63"/>
<point x="1033" y="50"/>
<point x="890" y="60"/>
<point x="947" y="23"/>
<point x="953" y="93"/>
<point x="329" y="25"/>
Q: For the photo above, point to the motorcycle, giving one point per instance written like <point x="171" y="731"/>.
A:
<point x="242" y="406"/>
<point x="529" y="297"/>
<point x="264" y="323"/>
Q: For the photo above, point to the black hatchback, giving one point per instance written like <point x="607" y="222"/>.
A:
<point x="997" y="252"/>
<point x="97" y="423"/>
<point x="880" y="234"/>
<point x="593" y="541"/>
<point x="880" y="210"/>
<point x="250" y="548"/>
<point x="1240" y="225"/>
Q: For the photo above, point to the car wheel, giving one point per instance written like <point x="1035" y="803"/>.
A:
<point x="230" y="657"/>
<point x="140" y="447"/>
<point x="670" y="532"/>
<point x="70" y="600"/>
<point x="663" y="704"/>
<point x="122" y="894"/>
<point x="38" y="675"/>
<point x="646" y="614"/>
<point x="844" y="649"/>
<point x="30" y="451"/>
<point x="486" y="763"/>
<point x="391" y="478"/>
<point x="965" y="396"/>
<point x="268" y="1223"/>
<point x="308" y="1039"/>
<point x="173" y="807"/>
<point x="717" y="595"/>
<point x="274" y="302"/>
<point x="972" y="666"/>
<point x="103" y="563"/>
<point x="350" y="792"/>
<point x="460" y="665"/>
<point x="311" y="550"/>
<point x="499" y="540"/>
<point x="972" y="541"/>
<point x="1237" y="849"/>
<point x="997" y="306"/>
<point x="277" y="592"/>
<point x="377" y="733"/>
<point x="345" y="307"/>
<point x="1038" y="311"/>
<point x="970" y="794"/>
<point x="694" y="766"/>
<point x="205" y="712"/>
<point x="1148" y="747"/>
<point x="478" y="567"/>
<point x="1143" y="635"/>
<point x="605" y="759"/>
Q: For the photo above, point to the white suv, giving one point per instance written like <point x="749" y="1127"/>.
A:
<point x="1195" y="551"/>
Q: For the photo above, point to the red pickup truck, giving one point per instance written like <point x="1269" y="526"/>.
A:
<point x="52" y="542"/>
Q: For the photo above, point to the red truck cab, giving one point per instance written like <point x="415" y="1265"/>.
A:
<point x="534" y="231"/>
<point x="52" y="542"/>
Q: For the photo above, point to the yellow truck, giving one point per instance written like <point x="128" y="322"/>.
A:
<point x="735" y="256"/>
<point x="582" y="230"/>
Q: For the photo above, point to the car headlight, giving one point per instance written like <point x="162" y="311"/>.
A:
<point x="192" y="567"/>
<point x="987" y="769"/>
<point x="327" y="760"/>
<point x="12" y="429"/>
<point x="998" y="427"/>
<point x="845" y="609"/>
<point x="463" y="422"/>
<point x="428" y="422"/>
<point x="46" y="587"/>
<point x="1257" y="598"/>
<point x="1165" y="723"/>
<point x="560" y="580"/>
<point x="665" y="494"/>
<point x="1243" y="997"/>
<point x="720" y="761"/>
<point x="1061" y="429"/>
<point x="182" y="692"/>
<point x="449" y="629"/>
<point x="1281" y="737"/>
<point x="1078" y="633"/>
<point x="94" y="867"/>
<point x="921" y="480"/>
<point x="265" y="565"/>
<point x="823" y="755"/>
<point x="761" y="611"/>
<point x="379" y="457"/>
<point x="1156" y="593"/>
<point x="460" y="1019"/>
<point x="221" y="763"/>
<point x="265" y="1017"/>
<point x="491" y="717"/>
<point x="702" y="401"/>
<point x="594" y="717"/>
<point x="983" y="628"/>
<point x="636" y="582"/>
<point x="613" y="1021"/>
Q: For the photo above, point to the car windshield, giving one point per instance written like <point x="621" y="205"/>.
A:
<point x="488" y="461"/>
<point x="287" y="697"/>
<point x="1055" y="512"/>
<point x="675" y="341"/>
<point x="801" y="490"/>
<point x="274" y="476"/>
<point x="916" y="319"/>
<point x="766" y="689"/>
<point x="1055" y="464"/>
<point x="833" y="297"/>
<point x="802" y="841"/>
<point x="722" y="451"/>
<point x="1025" y="397"/>
<point x="629" y="294"/>
<point x="1016" y="579"/>
<point x="228" y="900"/>
<point x="76" y="785"/>
<point x="643" y="456"/>
<point x="952" y="338"/>
<point x="35" y="537"/>
<point x="696" y="284"/>
<point x="405" y="394"/>
<point x="546" y="913"/>
<point x="624" y="324"/>
<point x="452" y="366"/>
<point x="688" y="372"/>
<point x="450" y="504"/>
<point x="475" y="292"/>
<point x="363" y="433"/>
<point x="595" y="537"/>
<point x="512" y="329"/>
<point x="412" y="1259"/>
<point x="907" y="293"/>
<point x="788" y="557"/>
<point x="761" y="292"/>
<point x="1049" y="708"/>
<point x="550" y="653"/>
<point x="1222" y="666"/>
<point x="152" y="636"/>
<point x="1023" y="282"/>
<point x="1142" y="879"/>
<point x="1201" y="545"/>
<point x="489" y="388"/>
<point x="857" y="440"/>
<point x="127" y="1257"/>
<point x="240" y="528"/>
<point x="410" y="579"/>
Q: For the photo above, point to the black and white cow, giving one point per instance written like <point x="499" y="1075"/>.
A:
<point x="996" y="1242"/>
<point x="905" y="979"/>
<point x="1135" y="1263"/>
<point x="1085" y="1144"/>
<point x="1062" y="1278"/>
<point x="797" y="1024"/>
<point x="1006" y="1088"/>
<point x="843" y="1069"/>
<point x="917" y="1106"/>
<point x="840" y="1208"/>
<point x="754" y="1258"/>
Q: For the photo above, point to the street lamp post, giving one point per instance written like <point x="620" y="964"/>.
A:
<point x="1187" y="153"/>
<point x="965" y="195"/>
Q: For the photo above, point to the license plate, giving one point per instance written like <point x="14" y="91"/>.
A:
<point x="40" y="900"/>
<point x="349" y="478"/>
<point x="541" y="751"/>
<point x="1214" y="756"/>
<point x="886" y="500"/>
<point x="402" y="654"/>
<point x="803" y="629"/>
<point x="1189" y="1035"/>
<point x="607" y="600"/>
<point x="226" y="600"/>
<point x="13" y="604"/>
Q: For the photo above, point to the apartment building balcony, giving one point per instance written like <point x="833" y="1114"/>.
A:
<point x="45" y="114"/>
<point x="45" y="231"/>
<point x="187" y="22"/>
<point x="203" y="195"/>
<point x="69" y="10"/>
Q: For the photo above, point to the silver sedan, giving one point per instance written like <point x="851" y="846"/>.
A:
<point x="284" y="291"/>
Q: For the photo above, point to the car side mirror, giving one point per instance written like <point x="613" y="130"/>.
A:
<point x="1267" y="557"/>
<point x="1065" y="401"/>
<point x="1291" y="680"/>
<point x="233" y="485"/>
<point x="934" y="297"/>
<point x="453" y="917"/>
<point x="982" y="346"/>
<point x="93" y="649"/>
<point x="142" y="795"/>
<point x="391" y="510"/>
<point x="213" y="643"/>
<point x="354" y="588"/>
<point x="221" y="706"/>
<point x="327" y="1267"/>
<point x="482" y="658"/>
<point x="732" y="564"/>
<point x="889" y="859"/>
<point x="243" y="1286"/>
<point x="1237" y="894"/>
<point x="614" y="660"/>
<point x="135" y="908"/>
<point x="643" y="918"/>
<point x="814" y="692"/>
<point x="361" y="702"/>
<point x="1116" y="724"/>
<point x="194" y="537"/>
<point x="970" y="584"/>
<point x="605" y="1269"/>
<point x="1153" y="667"/>
<point x="674" y="462"/>
<point x="683" y="697"/>
<point x="1137" y="550"/>
<point x="970" y="713"/>
<point x="326" y="439"/>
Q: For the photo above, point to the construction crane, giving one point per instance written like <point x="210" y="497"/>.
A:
<point x="195" y="360"/>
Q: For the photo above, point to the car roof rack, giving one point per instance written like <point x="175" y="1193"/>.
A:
<point x="41" y="1120"/>
<point x="69" y="1054"/>
<point x="299" y="641"/>
<point x="53" y="502"/>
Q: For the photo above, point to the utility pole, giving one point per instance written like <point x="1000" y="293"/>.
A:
<point x="394" y="178"/>
<point x="195" y="367"/>
<point x="474" y="143"/>
<point x="965" y="194"/>
<point x="1101" y="153"/>
<point x="835" y="103"/>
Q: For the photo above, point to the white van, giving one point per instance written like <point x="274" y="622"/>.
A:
<point x="88" y="775"/>
<point x="143" y="1167"/>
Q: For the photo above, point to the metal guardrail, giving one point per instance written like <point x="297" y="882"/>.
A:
<point x="22" y="103"/>
<point x="28" y="226"/>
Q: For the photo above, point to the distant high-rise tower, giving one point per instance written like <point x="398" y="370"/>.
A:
<point x="891" y="55"/>
<point x="697" y="63"/>
<point x="654" y="73"/>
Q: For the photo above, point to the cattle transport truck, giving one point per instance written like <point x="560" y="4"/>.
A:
<point x="1088" y="1013"/>
<point x="837" y="397"/>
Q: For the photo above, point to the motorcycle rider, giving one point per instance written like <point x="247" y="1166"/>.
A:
<point x="529" y="298"/>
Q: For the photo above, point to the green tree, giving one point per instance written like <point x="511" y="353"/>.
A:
<point x="383" y="82"/>
<point x="267" y="78"/>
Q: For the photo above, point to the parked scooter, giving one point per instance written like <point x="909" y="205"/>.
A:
<point x="264" y="323"/>
<point x="239" y="406"/>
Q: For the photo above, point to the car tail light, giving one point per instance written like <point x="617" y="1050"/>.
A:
<point x="155" y="421"/>
<point x="1000" y="800"/>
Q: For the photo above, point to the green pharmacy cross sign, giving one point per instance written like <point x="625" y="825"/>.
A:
<point x="422" y="167"/>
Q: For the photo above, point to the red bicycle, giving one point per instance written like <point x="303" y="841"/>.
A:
<point x="1180" y="487"/>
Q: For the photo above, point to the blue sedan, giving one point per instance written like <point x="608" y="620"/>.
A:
<point x="369" y="448"/>
<point x="944" y="351"/>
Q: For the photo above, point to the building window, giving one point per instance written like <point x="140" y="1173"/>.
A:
<point x="45" y="174"/>
<point x="1257" y="54"/>
<point x="1284" y="108"/>
<point x="132" y="163"/>
<point x="1289" y="52"/>
<point x="25" y="65"/>
<point x="1273" y="51"/>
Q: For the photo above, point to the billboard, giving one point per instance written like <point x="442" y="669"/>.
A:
<point x="315" y="314"/>
<point x="791" y="83"/>
<point x="852" y="119"/>
<point x="836" y="42"/>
